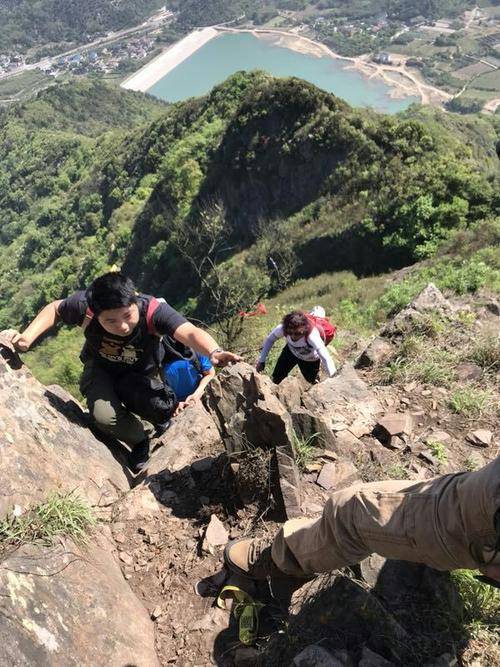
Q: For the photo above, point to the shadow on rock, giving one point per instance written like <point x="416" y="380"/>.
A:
<point x="410" y="617"/>
<point x="62" y="401"/>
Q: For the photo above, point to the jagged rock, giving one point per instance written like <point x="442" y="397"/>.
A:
<point x="45" y="444"/>
<point x="190" y="435"/>
<point x="378" y="351"/>
<point x="215" y="535"/>
<point x="308" y="425"/>
<point x="317" y="656"/>
<point x="371" y="659"/>
<point x="481" y="438"/>
<point x="289" y="482"/>
<point x="468" y="371"/>
<point x="493" y="307"/>
<point x="355" y="607"/>
<point x="392" y="429"/>
<point x="430" y="299"/>
<point x="290" y="392"/>
<point x="249" y="414"/>
<point x="346" y="399"/>
<point x="370" y="568"/>
<point x="338" y="475"/>
<point x="60" y="608"/>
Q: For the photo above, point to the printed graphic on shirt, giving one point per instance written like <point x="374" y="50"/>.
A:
<point x="113" y="350"/>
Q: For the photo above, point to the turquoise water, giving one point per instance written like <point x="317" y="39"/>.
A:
<point x="228" y="53"/>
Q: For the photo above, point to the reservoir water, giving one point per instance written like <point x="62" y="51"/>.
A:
<point x="230" y="52"/>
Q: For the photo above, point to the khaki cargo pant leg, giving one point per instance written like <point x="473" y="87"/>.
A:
<point x="106" y="410"/>
<point x="433" y="522"/>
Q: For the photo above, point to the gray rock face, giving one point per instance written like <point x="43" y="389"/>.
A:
<point x="378" y="351"/>
<point x="430" y="300"/>
<point x="190" y="435"/>
<point x="61" y="609"/>
<point x="346" y="405"/>
<point x="46" y="445"/>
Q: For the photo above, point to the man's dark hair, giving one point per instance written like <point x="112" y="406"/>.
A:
<point x="112" y="290"/>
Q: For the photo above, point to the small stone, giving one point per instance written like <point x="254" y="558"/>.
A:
<point x="312" y="508"/>
<point x="493" y="307"/>
<point x="396" y="423"/>
<point x="126" y="558"/>
<point x="378" y="351"/>
<point x="336" y="474"/>
<point x="426" y="392"/>
<point x="234" y="468"/>
<point x="480" y="438"/>
<point x="313" y="467"/>
<point x="215" y="535"/>
<point x="156" y="613"/>
<point x="438" y="436"/>
<point x="120" y="538"/>
<point x="468" y="371"/>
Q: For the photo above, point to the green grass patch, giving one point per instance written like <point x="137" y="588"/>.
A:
<point x="420" y="361"/>
<point x="22" y="85"/>
<point x="469" y="402"/>
<point x="60" y="515"/>
<point x="303" y="449"/>
<point x="485" y="351"/>
<point x="481" y="603"/>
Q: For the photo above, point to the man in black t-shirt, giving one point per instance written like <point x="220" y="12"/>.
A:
<point x="122" y="355"/>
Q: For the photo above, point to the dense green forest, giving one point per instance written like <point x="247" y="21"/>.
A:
<point x="91" y="176"/>
<point x="218" y="202"/>
<point x="28" y="23"/>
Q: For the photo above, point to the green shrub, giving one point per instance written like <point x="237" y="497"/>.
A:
<point x="469" y="402"/>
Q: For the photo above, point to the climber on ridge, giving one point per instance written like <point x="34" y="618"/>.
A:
<point x="123" y="355"/>
<point x="449" y="522"/>
<point x="306" y="335"/>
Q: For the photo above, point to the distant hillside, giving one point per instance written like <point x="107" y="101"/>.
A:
<point x="92" y="176"/>
<point x="28" y="23"/>
<point x="191" y="13"/>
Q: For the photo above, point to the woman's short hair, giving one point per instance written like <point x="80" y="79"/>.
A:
<point x="297" y="319"/>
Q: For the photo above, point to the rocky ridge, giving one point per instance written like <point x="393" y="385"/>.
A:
<point x="254" y="456"/>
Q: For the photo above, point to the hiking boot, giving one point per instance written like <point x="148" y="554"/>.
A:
<point x="251" y="558"/>
<point x="139" y="456"/>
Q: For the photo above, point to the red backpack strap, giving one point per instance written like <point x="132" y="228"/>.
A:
<point x="153" y="305"/>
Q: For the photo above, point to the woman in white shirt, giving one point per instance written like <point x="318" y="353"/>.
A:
<point x="304" y="347"/>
